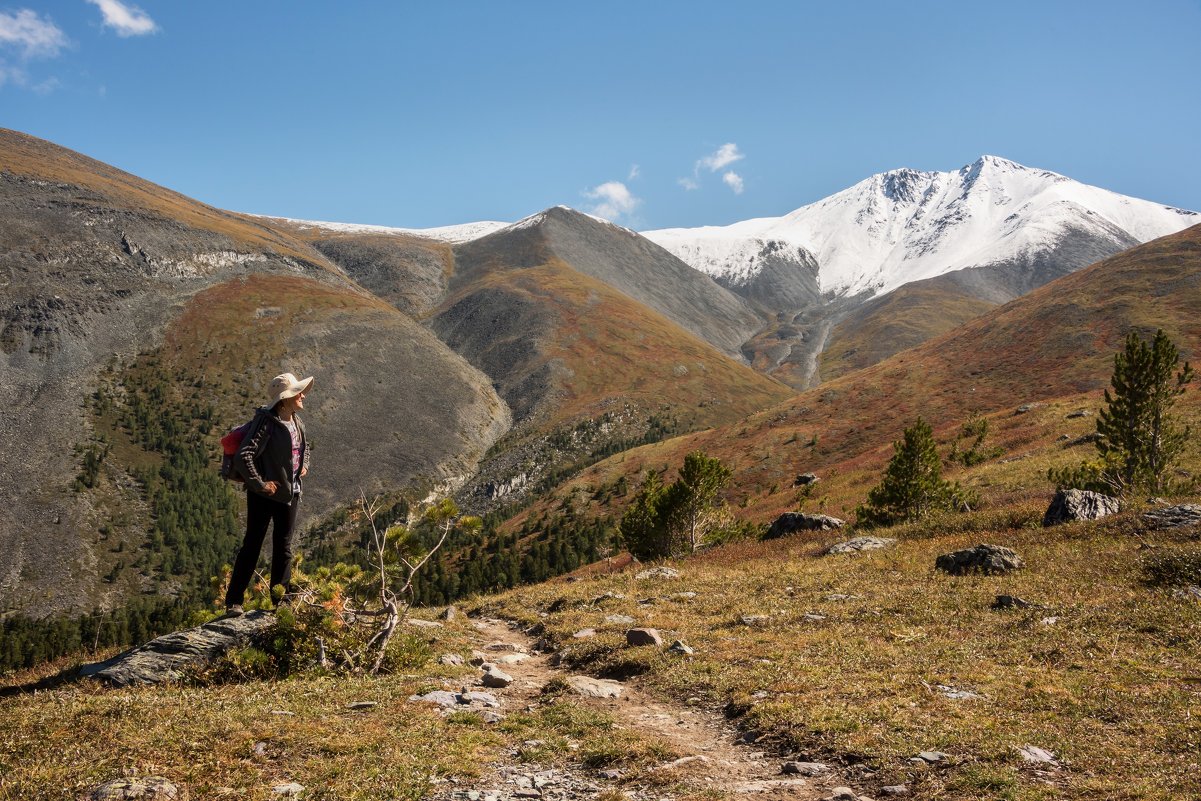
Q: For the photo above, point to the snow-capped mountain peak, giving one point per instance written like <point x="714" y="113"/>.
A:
<point x="905" y="225"/>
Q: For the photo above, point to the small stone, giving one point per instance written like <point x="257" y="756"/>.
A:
<point x="842" y="794"/>
<point x="453" y="660"/>
<point x="439" y="697"/>
<point x="1078" y="414"/>
<point x="424" y="624"/>
<point x="1027" y="407"/>
<point x="804" y="768"/>
<point x="1032" y="753"/>
<point x="491" y="717"/>
<point x="679" y="647"/>
<point x="450" y="613"/>
<point x="682" y="596"/>
<point x="530" y="793"/>
<point x="282" y="712"/>
<point x="894" y="789"/>
<point x="612" y="774"/>
<point x="150" y="788"/>
<point x="661" y="572"/>
<point x="477" y="659"/>
<point x="805" y="479"/>
<point x="1011" y="602"/>
<point x="289" y="790"/>
<point x="621" y="620"/>
<point x="810" y="617"/>
<point x="260" y="748"/>
<point x="504" y="646"/>
<point x="956" y="694"/>
<point x="836" y="596"/>
<point x="644" y="637"/>
<point x="496" y="678"/>
<point x="1190" y="593"/>
<point x="475" y="697"/>
<point x="754" y="620"/>
<point x="931" y="757"/>
<point x="1050" y="621"/>
<point x="595" y="688"/>
<point x="584" y="634"/>
<point x="362" y="705"/>
<point x="645" y="601"/>
<point x="511" y="659"/>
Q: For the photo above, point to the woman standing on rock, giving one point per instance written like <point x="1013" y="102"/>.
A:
<point x="273" y="458"/>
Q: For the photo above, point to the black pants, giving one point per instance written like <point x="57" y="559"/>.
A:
<point x="260" y="512"/>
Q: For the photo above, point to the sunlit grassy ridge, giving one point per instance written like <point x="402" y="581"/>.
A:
<point x="22" y="154"/>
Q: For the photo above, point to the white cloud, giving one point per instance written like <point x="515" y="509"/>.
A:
<point x="733" y="180"/>
<point x="126" y="20"/>
<point x="689" y="184"/>
<point x="615" y="200"/>
<point x="32" y="35"/>
<point x="724" y="156"/>
<point x="634" y="173"/>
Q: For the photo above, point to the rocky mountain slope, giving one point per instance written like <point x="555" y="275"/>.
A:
<point x="1001" y="229"/>
<point x="100" y="267"/>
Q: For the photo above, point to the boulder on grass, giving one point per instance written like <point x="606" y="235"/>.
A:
<point x="1186" y="514"/>
<point x="984" y="558"/>
<point x="792" y="522"/>
<point x="860" y="544"/>
<point x="1071" y="505"/>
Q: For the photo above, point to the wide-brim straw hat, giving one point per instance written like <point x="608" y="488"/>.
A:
<point x="288" y="386"/>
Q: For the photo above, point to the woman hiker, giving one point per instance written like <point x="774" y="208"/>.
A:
<point x="274" y="457"/>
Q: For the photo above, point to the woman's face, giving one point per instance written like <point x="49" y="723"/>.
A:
<point x="294" y="403"/>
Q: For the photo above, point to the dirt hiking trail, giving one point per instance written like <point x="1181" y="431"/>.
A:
<point x="715" y="762"/>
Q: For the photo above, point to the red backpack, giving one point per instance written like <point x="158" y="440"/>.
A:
<point x="231" y="467"/>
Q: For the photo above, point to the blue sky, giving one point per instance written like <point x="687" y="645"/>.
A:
<point x="654" y="113"/>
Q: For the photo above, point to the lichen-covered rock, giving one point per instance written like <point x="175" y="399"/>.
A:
<point x="146" y="788"/>
<point x="1185" y="514"/>
<point x="659" y="572"/>
<point x="860" y="544"/>
<point x="792" y="522"/>
<point x="1071" y="505"/>
<point x="172" y="656"/>
<point x="984" y="558"/>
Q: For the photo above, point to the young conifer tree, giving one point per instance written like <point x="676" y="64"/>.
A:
<point x="912" y="486"/>
<point x="1140" y="438"/>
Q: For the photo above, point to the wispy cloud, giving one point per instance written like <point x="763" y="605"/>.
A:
<point x="635" y="171"/>
<point x="25" y="36"/>
<point x="126" y="20"/>
<point x="716" y="161"/>
<point x="31" y="35"/>
<point x="724" y="156"/>
<point x="614" y="200"/>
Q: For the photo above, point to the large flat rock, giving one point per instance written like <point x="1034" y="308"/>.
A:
<point x="170" y="657"/>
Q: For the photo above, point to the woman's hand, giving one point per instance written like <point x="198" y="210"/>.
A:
<point x="304" y="471"/>
<point x="270" y="487"/>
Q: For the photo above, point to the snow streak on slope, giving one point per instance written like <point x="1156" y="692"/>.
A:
<point x="446" y="233"/>
<point x="906" y="225"/>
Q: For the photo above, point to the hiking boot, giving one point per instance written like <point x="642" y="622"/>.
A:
<point x="233" y="610"/>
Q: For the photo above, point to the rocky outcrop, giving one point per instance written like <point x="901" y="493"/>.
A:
<point x="173" y="656"/>
<point x="1185" y="514"/>
<point x="984" y="558"/>
<point x="792" y="522"/>
<point x="1071" y="505"/>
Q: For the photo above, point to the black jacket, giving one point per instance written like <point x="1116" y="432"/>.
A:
<point x="266" y="455"/>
